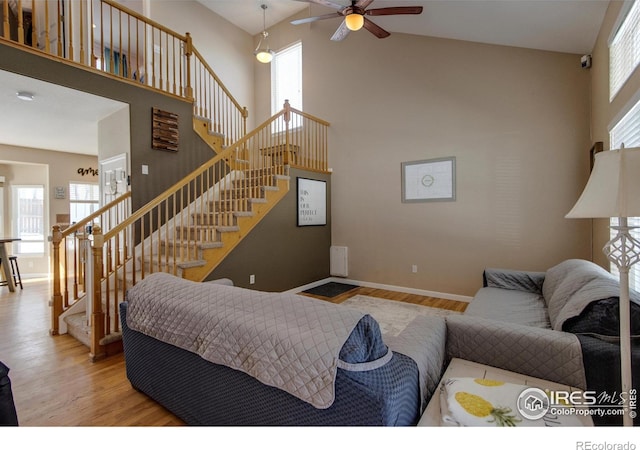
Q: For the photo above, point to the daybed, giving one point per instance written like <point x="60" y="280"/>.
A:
<point x="560" y="325"/>
<point x="215" y="354"/>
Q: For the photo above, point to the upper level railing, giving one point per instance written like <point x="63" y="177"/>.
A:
<point x="117" y="41"/>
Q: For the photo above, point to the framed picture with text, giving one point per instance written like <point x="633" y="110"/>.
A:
<point x="311" y="202"/>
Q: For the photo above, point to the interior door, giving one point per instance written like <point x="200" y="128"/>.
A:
<point x="114" y="178"/>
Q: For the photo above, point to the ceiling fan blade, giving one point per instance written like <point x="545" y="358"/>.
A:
<point x="326" y="3"/>
<point x="363" y="3"/>
<point x="393" y="10"/>
<point x="375" y="29"/>
<point x="313" y="19"/>
<point x="341" y="32"/>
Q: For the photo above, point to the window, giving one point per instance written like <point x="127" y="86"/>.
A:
<point x="286" y="79"/>
<point x="28" y="219"/>
<point x="84" y="199"/>
<point x="627" y="132"/>
<point x="624" y="48"/>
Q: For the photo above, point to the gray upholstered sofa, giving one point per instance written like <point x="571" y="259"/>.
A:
<point x="560" y="325"/>
<point x="215" y="354"/>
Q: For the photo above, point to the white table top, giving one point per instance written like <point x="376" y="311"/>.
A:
<point x="463" y="368"/>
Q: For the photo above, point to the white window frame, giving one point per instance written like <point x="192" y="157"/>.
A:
<point x="626" y="131"/>
<point x="18" y="246"/>
<point x="624" y="47"/>
<point x="292" y="84"/>
<point x="95" y="202"/>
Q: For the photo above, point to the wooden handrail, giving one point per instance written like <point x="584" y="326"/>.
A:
<point x="222" y="86"/>
<point x="69" y="264"/>
<point x="224" y="155"/>
<point x="79" y="226"/>
<point x="310" y="117"/>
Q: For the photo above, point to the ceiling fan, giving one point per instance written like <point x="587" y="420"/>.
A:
<point x="354" y="16"/>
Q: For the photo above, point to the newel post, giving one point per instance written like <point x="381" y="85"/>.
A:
<point x="287" y="140"/>
<point x="97" y="314"/>
<point x="245" y="114"/>
<point x="5" y="20"/>
<point x="188" y="51"/>
<point x="56" y="299"/>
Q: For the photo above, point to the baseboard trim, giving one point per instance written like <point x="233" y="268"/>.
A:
<point x="388" y="287"/>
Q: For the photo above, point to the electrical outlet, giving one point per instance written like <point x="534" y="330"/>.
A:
<point x="252" y="279"/>
<point x="414" y="268"/>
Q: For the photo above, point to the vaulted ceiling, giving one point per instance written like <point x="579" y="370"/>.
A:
<point x="556" y="25"/>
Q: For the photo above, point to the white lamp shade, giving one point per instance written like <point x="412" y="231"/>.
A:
<point x="613" y="189"/>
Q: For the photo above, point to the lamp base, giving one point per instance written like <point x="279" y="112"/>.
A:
<point x="624" y="251"/>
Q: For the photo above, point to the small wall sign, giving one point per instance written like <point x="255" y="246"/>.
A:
<point x="59" y="192"/>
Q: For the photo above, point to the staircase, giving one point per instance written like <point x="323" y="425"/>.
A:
<point x="190" y="228"/>
<point x="193" y="248"/>
<point x="187" y="231"/>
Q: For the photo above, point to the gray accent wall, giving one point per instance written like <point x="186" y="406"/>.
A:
<point x="278" y="252"/>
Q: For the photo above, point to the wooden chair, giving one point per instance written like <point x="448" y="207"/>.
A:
<point x="15" y="272"/>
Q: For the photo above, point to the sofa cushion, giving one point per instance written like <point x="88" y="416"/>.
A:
<point x="513" y="279"/>
<point x="572" y="285"/>
<point x="518" y="307"/>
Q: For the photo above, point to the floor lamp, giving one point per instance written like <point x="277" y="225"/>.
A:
<point x="613" y="190"/>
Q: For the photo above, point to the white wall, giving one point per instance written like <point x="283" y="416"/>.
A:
<point x="21" y="165"/>
<point x="225" y="47"/>
<point x="114" y="135"/>
<point x="516" y="120"/>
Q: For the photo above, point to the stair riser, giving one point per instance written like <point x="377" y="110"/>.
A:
<point x="229" y="205"/>
<point x="150" y="267"/>
<point x="197" y="233"/>
<point x="242" y="192"/>
<point x="266" y="180"/>
<point x="225" y="219"/>
<point x="181" y="252"/>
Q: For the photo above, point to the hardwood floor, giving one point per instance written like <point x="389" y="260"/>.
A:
<point x="55" y="384"/>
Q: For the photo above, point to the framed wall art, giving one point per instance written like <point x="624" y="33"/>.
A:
<point x="429" y="180"/>
<point x="312" y="202"/>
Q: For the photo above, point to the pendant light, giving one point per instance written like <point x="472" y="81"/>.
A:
<point x="263" y="53"/>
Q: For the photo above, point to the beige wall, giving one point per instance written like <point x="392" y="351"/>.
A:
<point x="21" y="165"/>
<point x="114" y="135"/>
<point x="605" y="112"/>
<point x="516" y="120"/>
<point x="225" y="47"/>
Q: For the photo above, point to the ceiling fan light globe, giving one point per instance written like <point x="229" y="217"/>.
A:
<point x="354" y="21"/>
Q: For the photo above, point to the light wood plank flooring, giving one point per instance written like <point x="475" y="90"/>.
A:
<point x="54" y="384"/>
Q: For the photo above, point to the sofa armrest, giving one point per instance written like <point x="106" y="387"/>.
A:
<point x="537" y="352"/>
<point x="513" y="279"/>
<point x="223" y="281"/>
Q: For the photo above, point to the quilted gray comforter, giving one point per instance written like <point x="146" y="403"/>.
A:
<point x="284" y="340"/>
